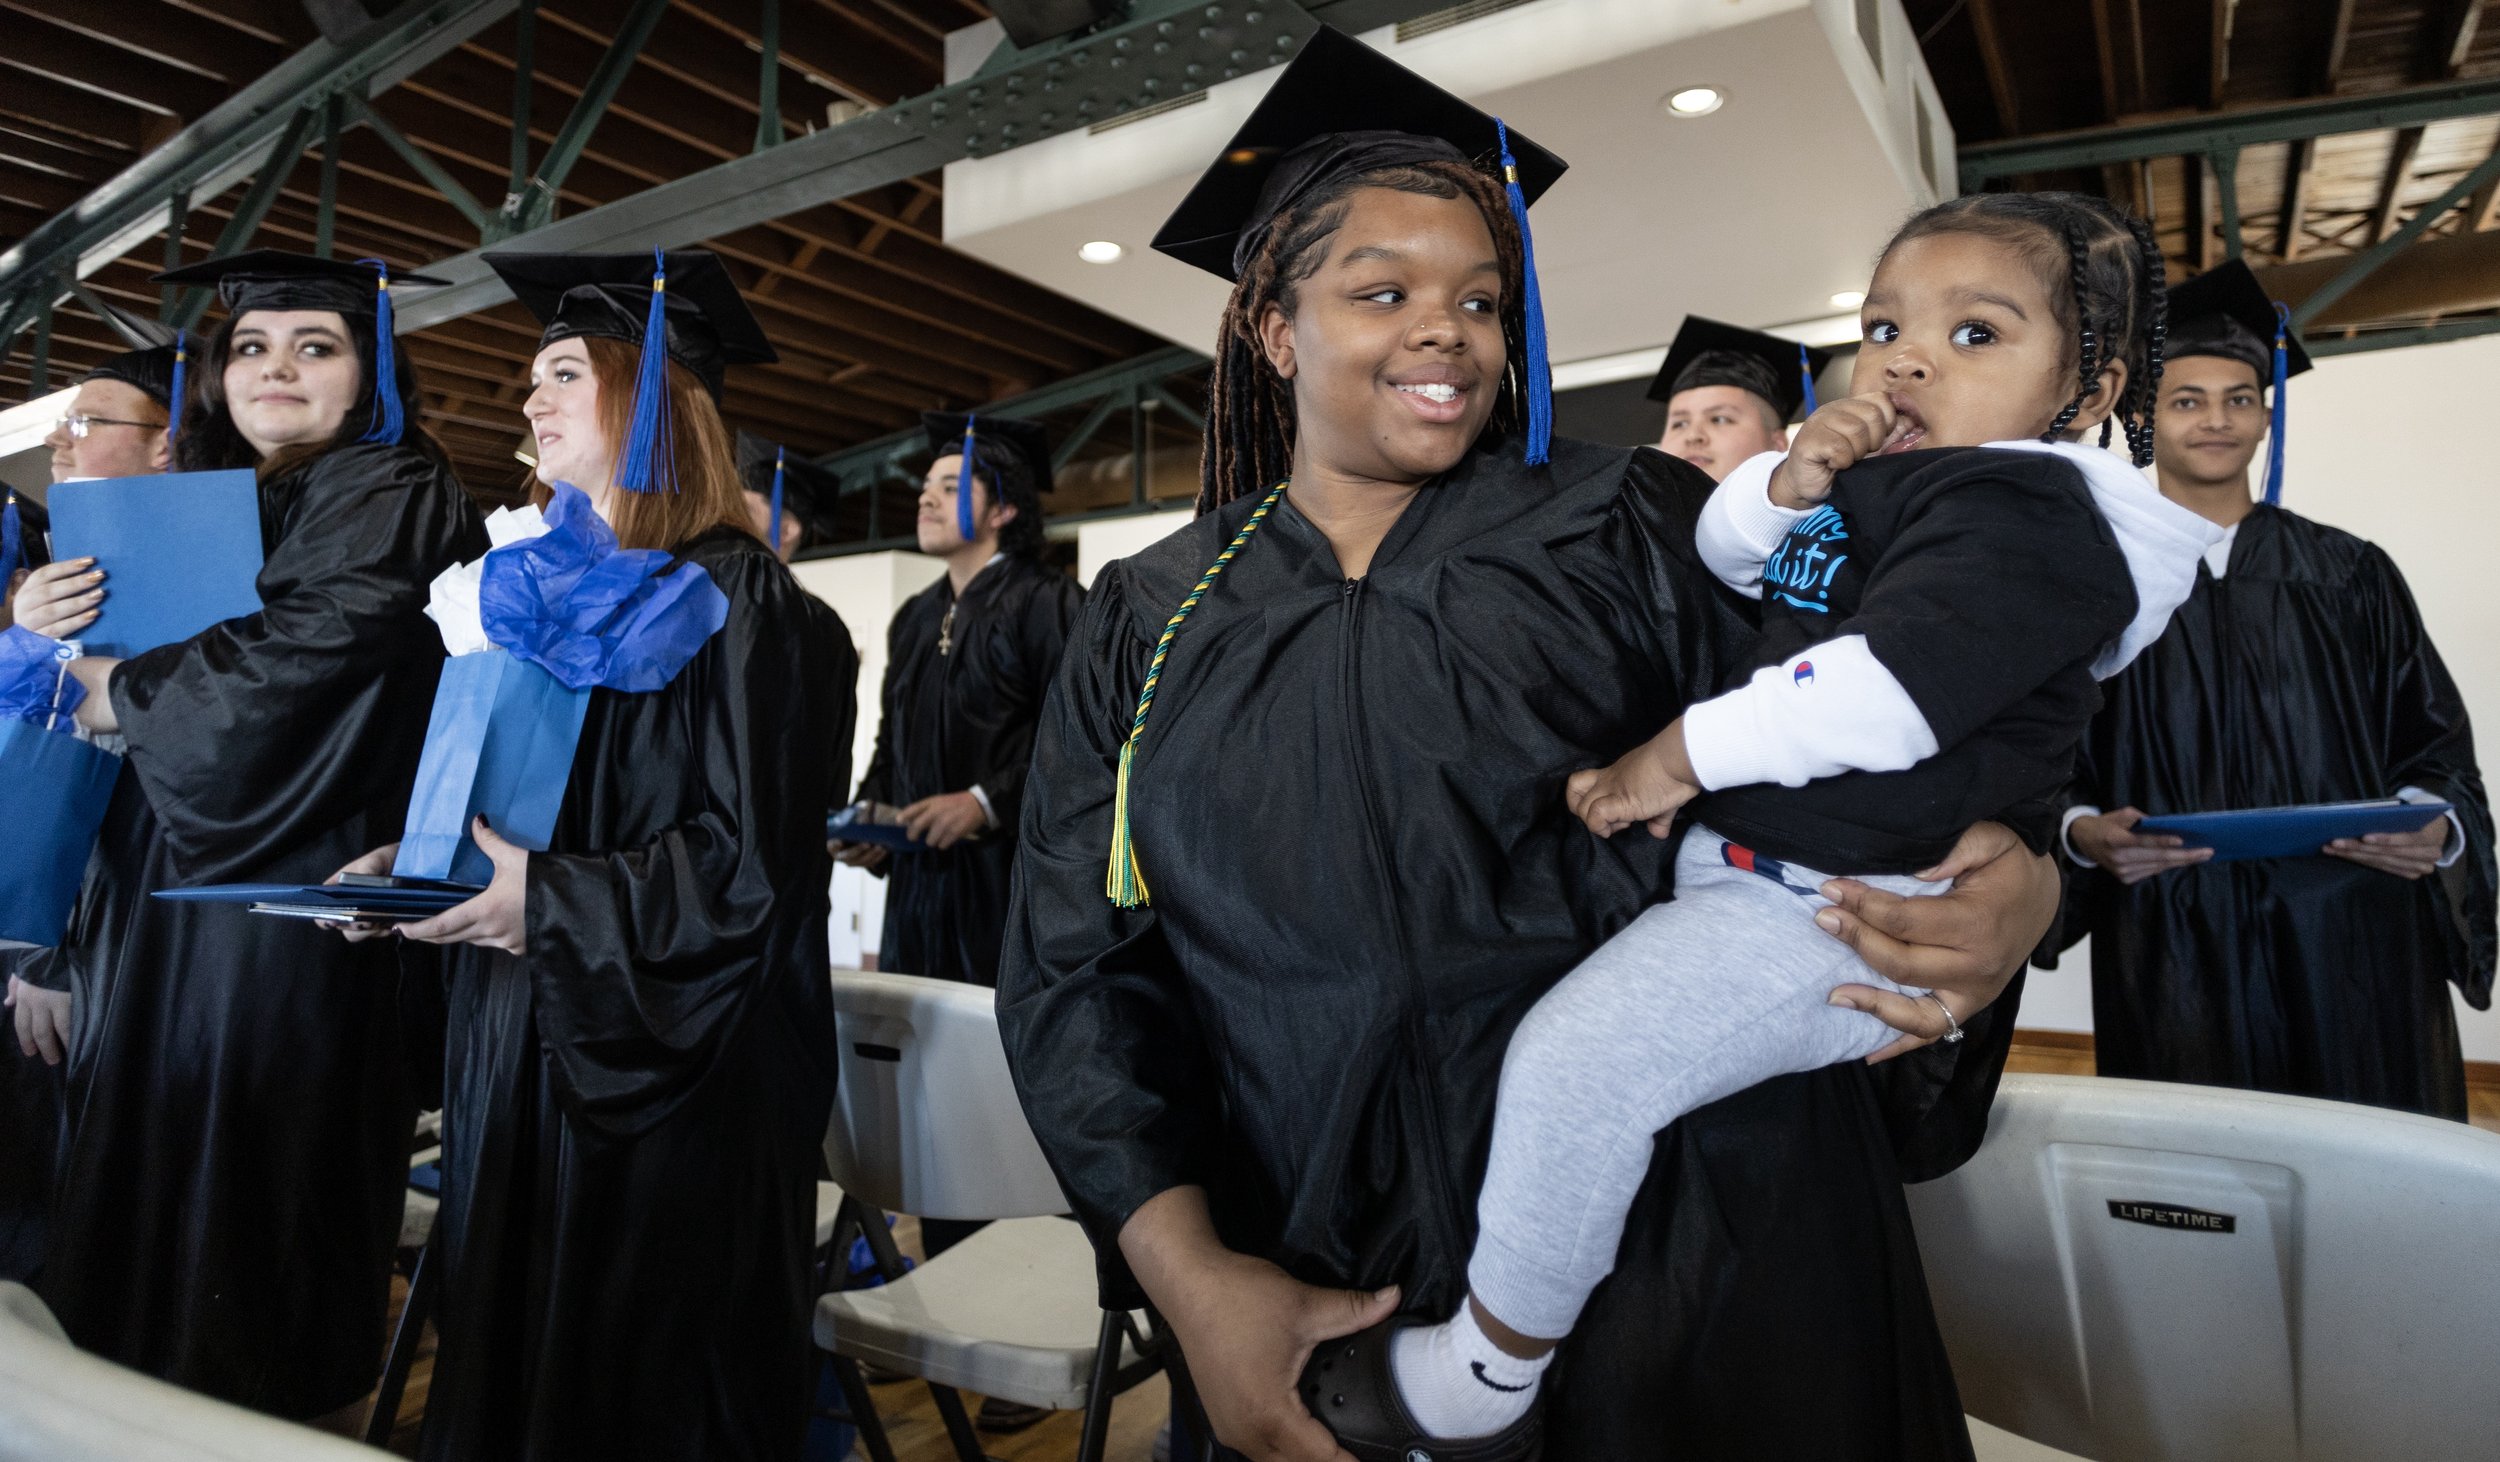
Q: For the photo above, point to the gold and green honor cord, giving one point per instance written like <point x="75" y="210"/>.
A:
<point x="1124" y="883"/>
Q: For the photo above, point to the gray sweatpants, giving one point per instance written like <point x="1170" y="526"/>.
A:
<point x="1697" y="999"/>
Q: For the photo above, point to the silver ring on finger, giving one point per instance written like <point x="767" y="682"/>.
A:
<point x="1952" y="1028"/>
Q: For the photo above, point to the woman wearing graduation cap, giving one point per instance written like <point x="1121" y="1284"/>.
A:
<point x="640" y="1029"/>
<point x="969" y="660"/>
<point x="1296" y="856"/>
<point x="2299" y="671"/>
<point x="233" y="1183"/>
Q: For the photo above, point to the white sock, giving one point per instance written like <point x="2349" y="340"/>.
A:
<point x="1456" y="1382"/>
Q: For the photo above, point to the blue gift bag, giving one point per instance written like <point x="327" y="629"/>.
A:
<point x="499" y="744"/>
<point x="58" y="788"/>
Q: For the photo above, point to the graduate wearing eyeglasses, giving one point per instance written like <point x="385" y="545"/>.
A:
<point x="132" y="391"/>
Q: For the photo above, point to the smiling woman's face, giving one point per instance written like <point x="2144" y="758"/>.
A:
<point x="1394" y="346"/>
<point x="290" y="377"/>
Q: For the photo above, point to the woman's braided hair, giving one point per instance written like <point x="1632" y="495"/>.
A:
<point x="1250" y="415"/>
<point x="2105" y="281"/>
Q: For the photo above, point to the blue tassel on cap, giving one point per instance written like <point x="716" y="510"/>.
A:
<point x="964" y="483"/>
<point x="649" y="461"/>
<point x="2282" y="374"/>
<point x="779" y="453"/>
<point x="12" y="543"/>
<point x="1805" y="375"/>
<point x="1540" y="370"/>
<point x="182" y="373"/>
<point x="388" y="420"/>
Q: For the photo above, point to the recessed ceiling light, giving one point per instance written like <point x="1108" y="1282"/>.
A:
<point x="1100" y="251"/>
<point x="1696" y="101"/>
<point x="1848" y="299"/>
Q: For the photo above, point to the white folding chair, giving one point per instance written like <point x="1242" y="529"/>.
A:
<point x="928" y="1123"/>
<point x="59" y="1404"/>
<point x="2148" y="1271"/>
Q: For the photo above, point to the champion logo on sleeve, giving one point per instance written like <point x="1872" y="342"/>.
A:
<point x="1803" y="674"/>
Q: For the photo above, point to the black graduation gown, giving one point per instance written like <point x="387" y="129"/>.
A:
<point x="1348" y="805"/>
<point x="30" y="1091"/>
<point x="2303" y="675"/>
<point x="957" y="720"/>
<point x="634" y="1112"/>
<point x="30" y="1140"/>
<point x="842" y="692"/>
<point x="237" y="1153"/>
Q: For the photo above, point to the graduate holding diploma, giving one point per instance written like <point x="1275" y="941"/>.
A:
<point x="2298" y="672"/>
<point x="640" y="1027"/>
<point x="231" y="1189"/>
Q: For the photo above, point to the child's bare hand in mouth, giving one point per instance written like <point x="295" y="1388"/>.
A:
<point x="1839" y="435"/>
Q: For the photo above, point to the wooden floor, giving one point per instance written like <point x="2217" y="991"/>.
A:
<point x="911" y="1419"/>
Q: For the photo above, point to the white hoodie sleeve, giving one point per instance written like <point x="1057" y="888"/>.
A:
<point x="1832" y="709"/>
<point x="1740" y="525"/>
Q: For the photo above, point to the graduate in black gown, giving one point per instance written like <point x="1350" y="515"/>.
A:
<point x="1260" y="1037"/>
<point x="237" y="1151"/>
<point x="968" y="660"/>
<point x="2298" y="671"/>
<point x="640" y="1026"/>
<point x="790" y="504"/>
<point x="114" y="427"/>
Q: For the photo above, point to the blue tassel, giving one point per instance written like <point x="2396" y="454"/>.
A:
<point x="388" y="420"/>
<point x="11" y="543"/>
<point x="778" y="454"/>
<point x="1540" y="370"/>
<point x="964" y="483"/>
<point x="1805" y="374"/>
<point x="182" y="373"/>
<point x="2282" y="373"/>
<point x="649" y="461"/>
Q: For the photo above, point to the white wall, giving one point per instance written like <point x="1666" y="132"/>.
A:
<point x="2376" y="449"/>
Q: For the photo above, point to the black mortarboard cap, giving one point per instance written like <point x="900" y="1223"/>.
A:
<point x="1713" y="353"/>
<point x="791" y="484"/>
<point x="2226" y="312"/>
<point x="273" y="279"/>
<point x="150" y="370"/>
<point x="608" y="297"/>
<point x="1025" y="439"/>
<point x="1340" y="106"/>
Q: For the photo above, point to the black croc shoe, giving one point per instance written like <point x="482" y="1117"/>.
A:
<point x="1349" y="1388"/>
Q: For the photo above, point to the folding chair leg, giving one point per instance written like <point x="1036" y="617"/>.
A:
<point x="1097" y="1432"/>
<point x="950" y="1406"/>
<point x="863" y="1407"/>
<point x="403" y="1354"/>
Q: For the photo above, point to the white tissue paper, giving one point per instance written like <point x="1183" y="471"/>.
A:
<point x="451" y="601"/>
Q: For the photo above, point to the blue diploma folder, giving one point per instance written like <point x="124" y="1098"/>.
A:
<point x="394" y="900"/>
<point x="2292" y="832"/>
<point x="852" y="825"/>
<point x="179" y="552"/>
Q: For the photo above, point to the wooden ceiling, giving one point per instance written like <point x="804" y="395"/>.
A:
<point x="2016" y="68"/>
<point x="876" y="319"/>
